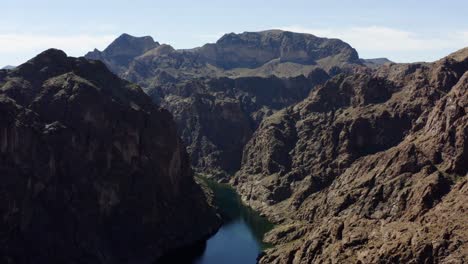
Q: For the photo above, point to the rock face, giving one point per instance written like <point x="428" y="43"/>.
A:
<point x="216" y="117"/>
<point x="370" y="168"/>
<point x="220" y="92"/>
<point x="92" y="171"/>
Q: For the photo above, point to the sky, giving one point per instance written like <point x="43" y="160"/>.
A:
<point x="401" y="30"/>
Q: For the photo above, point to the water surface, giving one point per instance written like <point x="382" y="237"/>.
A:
<point x="239" y="240"/>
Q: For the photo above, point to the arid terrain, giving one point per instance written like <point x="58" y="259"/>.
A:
<point x="107" y="158"/>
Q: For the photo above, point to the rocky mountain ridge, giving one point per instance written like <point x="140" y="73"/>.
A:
<point x="92" y="171"/>
<point x="370" y="168"/>
<point x="282" y="53"/>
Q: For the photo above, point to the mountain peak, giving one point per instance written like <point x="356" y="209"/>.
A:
<point x="51" y="54"/>
<point x="46" y="59"/>
<point x="275" y="33"/>
<point x="257" y="48"/>
<point x="130" y="45"/>
<point x="123" y="50"/>
<point x="281" y="32"/>
<point x="128" y="37"/>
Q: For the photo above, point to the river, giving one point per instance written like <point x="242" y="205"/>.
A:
<point x="239" y="239"/>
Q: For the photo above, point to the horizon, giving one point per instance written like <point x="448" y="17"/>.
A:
<point x="402" y="31"/>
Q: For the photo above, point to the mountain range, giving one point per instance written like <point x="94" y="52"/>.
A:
<point x="282" y="53"/>
<point x="329" y="146"/>
<point x="244" y="76"/>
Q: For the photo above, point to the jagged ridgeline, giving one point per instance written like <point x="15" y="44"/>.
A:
<point x="92" y="171"/>
<point x="219" y="93"/>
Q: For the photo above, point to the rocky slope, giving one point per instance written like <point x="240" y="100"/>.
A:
<point x="220" y="92"/>
<point x="216" y="117"/>
<point x="92" y="171"/>
<point x="370" y="168"/>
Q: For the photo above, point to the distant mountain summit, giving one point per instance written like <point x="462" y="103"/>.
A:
<point x="118" y="55"/>
<point x="255" y="49"/>
<point x="282" y="53"/>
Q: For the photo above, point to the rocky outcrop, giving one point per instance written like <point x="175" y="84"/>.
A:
<point x="91" y="171"/>
<point x="370" y="168"/>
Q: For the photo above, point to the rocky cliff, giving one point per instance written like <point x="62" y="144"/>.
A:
<point x="216" y="117"/>
<point x="220" y="92"/>
<point x="370" y="168"/>
<point x="92" y="171"/>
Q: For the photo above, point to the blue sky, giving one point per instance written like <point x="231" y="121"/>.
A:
<point x="403" y="31"/>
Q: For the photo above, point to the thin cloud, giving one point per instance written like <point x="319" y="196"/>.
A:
<point x="396" y="44"/>
<point x="18" y="48"/>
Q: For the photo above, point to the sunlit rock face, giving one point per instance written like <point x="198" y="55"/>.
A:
<point x="91" y="170"/>
<point x="370" y="168"/>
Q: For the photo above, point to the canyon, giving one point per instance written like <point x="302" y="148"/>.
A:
<point x="353" y="159"/>
<point x="117" y="156"/>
